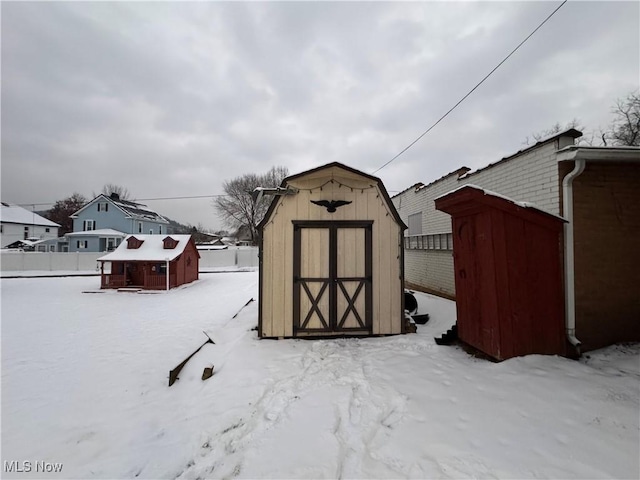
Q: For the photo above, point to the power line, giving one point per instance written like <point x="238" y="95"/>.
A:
<point x="180" y="198"/>
<point x="473" y="89"/>
<point x="136" y="200"/>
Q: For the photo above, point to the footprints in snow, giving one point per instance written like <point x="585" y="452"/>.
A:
<point x="371" y="410"/>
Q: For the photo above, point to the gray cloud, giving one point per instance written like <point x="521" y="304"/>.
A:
<point x="171" y="99"/>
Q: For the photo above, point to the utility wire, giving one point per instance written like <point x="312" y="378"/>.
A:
<point x="136" y="200"/>
<point x="181" y="198"/>
<point x="473" y="89"/>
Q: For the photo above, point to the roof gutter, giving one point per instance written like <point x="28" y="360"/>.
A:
<point x="569" y="253"/>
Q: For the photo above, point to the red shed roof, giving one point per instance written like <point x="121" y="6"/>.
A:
<point x="470" y="197"/>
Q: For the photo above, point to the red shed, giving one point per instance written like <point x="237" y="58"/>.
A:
<point x="508" y="276"/>
<point x="142" y="261"/>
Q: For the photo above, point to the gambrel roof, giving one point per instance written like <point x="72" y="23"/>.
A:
<point x="137" y="211"/>
<point x="335" y="166"/>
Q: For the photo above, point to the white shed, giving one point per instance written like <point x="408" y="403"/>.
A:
<point x="331" y="257"/>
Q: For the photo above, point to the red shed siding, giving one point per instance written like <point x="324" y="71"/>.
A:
<point x="507" y="261"/>
<point x="184" y="269"/>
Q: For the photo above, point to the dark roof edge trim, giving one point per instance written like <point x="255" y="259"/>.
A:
<point x="379" y="183"/>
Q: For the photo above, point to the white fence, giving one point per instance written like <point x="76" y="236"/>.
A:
<point x="240" y="257"/>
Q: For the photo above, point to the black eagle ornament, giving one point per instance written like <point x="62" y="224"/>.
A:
<point x="331" y="205"/>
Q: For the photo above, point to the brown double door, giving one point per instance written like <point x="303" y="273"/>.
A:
<point x="332" y="277"/>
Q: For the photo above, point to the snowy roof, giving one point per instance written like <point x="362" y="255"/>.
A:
<point x="498" y="195"/>
<point x="571" y="132"/>
<point x="102" y="232"/>
<point x="212" y="247"/>
<point x="152" y="249"/>
<point x="15" y="214"/>
<point x="131" y="209"/>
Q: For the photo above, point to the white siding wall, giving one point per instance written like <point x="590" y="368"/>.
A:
<point x="12" y="232"/>
<point x="531" y="176"/>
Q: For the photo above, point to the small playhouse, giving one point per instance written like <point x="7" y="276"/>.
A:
<point x="143" y="261"/>
<point x="508" y="274"/>
<point x="331" y="257"/>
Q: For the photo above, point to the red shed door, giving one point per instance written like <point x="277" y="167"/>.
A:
<point x="474" y="279"/>
<point x="332" y="277"/>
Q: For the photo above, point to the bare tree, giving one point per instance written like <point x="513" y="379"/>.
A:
<point x="555" y="129"/>
<point x="119" y="190"/>
<point x="63" y="209"/>
<point x="237" y="209"/>
<point x="625" y="128"/>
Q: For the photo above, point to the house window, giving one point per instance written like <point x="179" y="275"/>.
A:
<point x="110" y="244"/>
<point x="169" y="243"/>
<point x="438" y="241"/>
<point x="139" y="227"/>
<point x="151" y="231"/>
<point x="47" y="230"/>
<point x="133" y="242"/>
<point x="88" y="225"/>
<point x="103" y="207"/>
<point x="52" y="248"/>
<point x="415" y="224"/>
<point x="82" y="244"/>
<point x="1" y="228"/>
<point x="159" y="229"/>
<point x="26" y="232"/>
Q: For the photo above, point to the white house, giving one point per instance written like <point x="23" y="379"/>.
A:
<point x="17" y="223"/>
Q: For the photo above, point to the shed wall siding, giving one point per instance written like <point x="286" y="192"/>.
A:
<point x="277" y="262"/>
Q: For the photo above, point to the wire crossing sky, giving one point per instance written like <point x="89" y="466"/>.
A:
<point x="473" y="89"/>
<point x="172" y="99"/>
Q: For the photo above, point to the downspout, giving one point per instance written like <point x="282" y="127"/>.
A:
<point x="167" y="275"/>
<point x="569" y="254"/>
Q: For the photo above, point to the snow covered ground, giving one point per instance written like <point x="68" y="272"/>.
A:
<point x="85" y="385"/>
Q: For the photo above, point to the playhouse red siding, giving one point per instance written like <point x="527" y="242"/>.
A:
<point x="508" y="276"/>
<point x="187" y="264"/>
<point x="150" y="274"/>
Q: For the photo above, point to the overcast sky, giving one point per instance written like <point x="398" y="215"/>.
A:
<point x="171" y="99"/>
